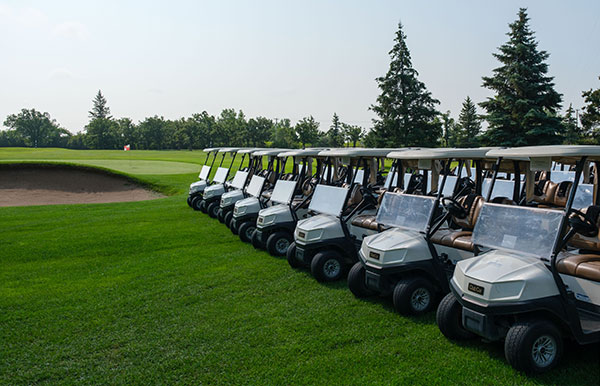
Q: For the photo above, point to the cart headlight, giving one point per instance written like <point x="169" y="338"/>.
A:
<point x="240" y="210"/>
<point x="507" y="290"/>
<point x="225" y="201"/>
<point x="266" y="220"/>
<point x="195" y="187"/>
<point x="311" y="235"/>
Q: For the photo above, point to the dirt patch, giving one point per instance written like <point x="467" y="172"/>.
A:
<point x="37" y="185"/>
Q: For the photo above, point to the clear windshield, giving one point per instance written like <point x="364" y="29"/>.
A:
<point x="328" y="199"/>
<point x="450" y="184"/>
<point x="584" y="196"/>
<point x="559" y="176"/>
<point x="391" y="179"/>
<point x="204" y="172"/>
<point x="524" y="230"/>
<point x="502" y="188"/>
<point x="239" y="179"/>
<point x="358" y="178"/>
<point x="220" y="175"/>
<point x="405" y="211"/>
<point x="255" y="186"/>
<point x="283" y="191"/>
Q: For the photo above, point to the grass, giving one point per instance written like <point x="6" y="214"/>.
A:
<point x="152" y="292"/>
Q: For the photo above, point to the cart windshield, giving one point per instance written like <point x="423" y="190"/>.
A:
<point x="529" y="231"/>
<point x="405" y="211"/>
<point x="239" y="180"/>
<point x="328" y="199"/>
<point x="584" y="196"/>
<point x="220" y="175"/>
<point x="358" y="178"/>
<point x="204" y="172"/>
<point x="255" y="186"/>
<point x="502" y="188"/>
<point x="283" y="191"/>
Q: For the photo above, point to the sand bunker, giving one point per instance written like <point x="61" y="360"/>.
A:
<point x="36" y="185"/>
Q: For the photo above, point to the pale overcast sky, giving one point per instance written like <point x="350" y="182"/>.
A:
<point x="271" y="58"/>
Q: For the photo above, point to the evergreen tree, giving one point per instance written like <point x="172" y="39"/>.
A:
<point x="469" y="126"/>
<point x="405" y="109"/>
<point x="307" y="130"/>
<point x="523" y="111"/>
<point x="449" y="128"/>
<point x="335" y="135"/>
<point x="100" y="110"/>
<point x="590" y="117"/>
<point x="572" y="130"/>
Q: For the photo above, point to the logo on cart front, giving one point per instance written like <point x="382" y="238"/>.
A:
<point x="475" y="288"/>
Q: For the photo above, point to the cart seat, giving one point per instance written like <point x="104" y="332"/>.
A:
<point x="454" y="239"/>
<point x="585" y="266"/>
<point x="545" y="190"/>
<point x="366" y="221"/>
<point x="584" y="242"/>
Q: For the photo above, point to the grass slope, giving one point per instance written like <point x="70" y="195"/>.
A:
<point x="152" y="292"/>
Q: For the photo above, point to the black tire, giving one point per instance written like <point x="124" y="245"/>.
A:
<point x="189" y="201"/>
<point x="196" y="203"/>
<point x="213" y="209"/>
<point x="279" y="243"/>
<point x="227" y="218"/>
<point x="449" y="319"/>
<point x="327" y="266"/>
<point x="234" y="226"/>
<point x="256" y="242"/>
<point x="202" y="206"/>
<point x="413" y="296"/>
<point x="220" y="216"/>
<point x="245" y="231"/>
<point x="533" y="346"/>
<point x="357" y="281"/>
<point x="291" y="256"/>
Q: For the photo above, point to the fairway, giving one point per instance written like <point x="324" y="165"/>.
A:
<point x="135" y="166"/>
<point x="152" y="292"/>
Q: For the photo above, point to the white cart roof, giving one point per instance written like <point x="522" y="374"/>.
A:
<point x="250" y="150"/>
<point x="567" y="154"/>
<point x="312" y="152"/>
<point x="269" y="152"/>
<point x="355" y="152"/>
<point x="441" y="153"/>
<point x="230" y="149"/>
<point x="211" y="149"/>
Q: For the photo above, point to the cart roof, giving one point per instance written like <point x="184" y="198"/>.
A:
<point x="442" y="153"/>
<point x="567" y="154"/>
<point x="269" y="152"/>
<point x="230" y="149"/>
<point x="312" y="152"/>
<point x="356" y="152"/>
<point x="247" y="150"/>
<point x="211" y="149"/>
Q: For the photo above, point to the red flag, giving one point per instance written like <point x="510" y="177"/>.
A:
<point x="127" y="147"/>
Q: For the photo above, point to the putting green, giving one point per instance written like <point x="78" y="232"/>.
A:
<point x="133" y="166"/>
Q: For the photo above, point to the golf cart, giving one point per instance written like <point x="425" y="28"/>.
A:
<point x="275" y="225"/>
<point x="414" y="259"/>
<point x="212" y="194"/>
<point x="245" y="211"/>
<point x="540" y="280"/>
<point x="198" y="187"/>
<point x="327" y="242"/>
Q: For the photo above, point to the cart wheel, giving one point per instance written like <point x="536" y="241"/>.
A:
<point x="255" y="241"/>
<point x="413" y="296"/>
<point x="212" y="209"/>
<point x="196" y="202"/>
<point x="449" y="319"/>
<point x="221" y="216"/>
<point x="533" y="346"/>
<point x="278" y="243"/>
<point x="327" y="266"/>
<point x="227" y="219"/>
<point x="234" y="226"/>
<point x="202" y="206"/>
<point x="291" y="256"/>
<point x="189" y="201"/>
<point x="245" y="231"/>
<point x="357" y="281"/>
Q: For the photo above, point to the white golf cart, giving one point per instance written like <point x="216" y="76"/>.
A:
<point x="275" y="225"/>
<point x="327" y="242"/>
<point x="540" y="281"/>
<point x="245" y="211"/>
<point x="415" y="257"/>
<point x="213" y="193"/>
<point x="196" y="188"/>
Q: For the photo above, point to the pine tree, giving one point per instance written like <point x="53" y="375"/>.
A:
<point x="100" y="109"/>
<point x="590" y="117"/>
<point x="572" y="130"/>
<point x="334" y="134"/>
<point x="405" y="109"/>
<point x="523" y="111"/>
<point x="468" y="127"/>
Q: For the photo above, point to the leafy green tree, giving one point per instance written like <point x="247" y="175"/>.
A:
<point x="523" y="111"/>
<point x="405" y="109"/>
<point x="467" y="131"/>
<point x="307" y="130"/>
<point x="335" y="135"/>
<point x="77" y="141"/>
<point x="229" y="129"/>
<point x="152" y="132"/>
<point x="353" y="134"/>
<point x="200" y="128"/>
<point x="127" y="132"/>
<point x="259" y="131"/>
<point x="590" y="116"/>
<point x="100" y="110"/>
<point x="283" y="135"/>
<point x="10" y="138"/>
<point x="448" y="129"/>
<point x="100" y="134"/>
<point x="572" y="130"/>
<point x="34" y="127"/>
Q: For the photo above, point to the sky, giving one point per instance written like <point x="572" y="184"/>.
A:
<point x="279" y="59"/>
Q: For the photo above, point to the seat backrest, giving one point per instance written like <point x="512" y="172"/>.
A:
<point x="544" y="192"/>
<point x="472" y="203"/>
<point x="562" y="193"/>
<point x="584" y="242"/>
<point x="355" y="196"/>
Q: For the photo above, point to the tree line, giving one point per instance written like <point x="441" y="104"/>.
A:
<point x="524" y="110"/>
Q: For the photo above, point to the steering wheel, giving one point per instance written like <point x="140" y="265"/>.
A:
<point x="454" y="208"/>
<point x="582" y="225"/>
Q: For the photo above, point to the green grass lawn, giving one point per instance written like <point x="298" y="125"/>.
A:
<point x="153" y="292"/>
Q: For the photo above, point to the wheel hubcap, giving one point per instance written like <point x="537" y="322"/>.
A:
<point x="249" y="232"/>
<point x="420" y="299"/>
<point x="544" y="350"/>
<point x="332" y="268"/>
<point x="282" y="245"/>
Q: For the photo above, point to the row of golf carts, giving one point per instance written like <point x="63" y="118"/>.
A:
<point x="505" y="242"/>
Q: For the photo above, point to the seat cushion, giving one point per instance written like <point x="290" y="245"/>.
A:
<point x="585" y="266"/>
<point x="365" y="221"/>
<point x="453" y="238"/>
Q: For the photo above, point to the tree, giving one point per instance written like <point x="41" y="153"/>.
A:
<point x="228" y="127"/>
<point x="152" y="132"/>
<point x="590" y="117"/>
<point x="466" y="133"/>
<point x="572" y="130"/>
<point x="200" y="128"/>
<point x="523" y="111"/>
<point x="405" y="109"/>
<point x="335" y="136"/>
<point x="353" y="134"/>
<point x="34" y="127"/>
<point x="283" y="135"/>
<point x="449" y="128"/>
<point x="100" y="110"/>
<point x="307" y="130"/>
<point x="259" y="131"/>
<point x="100" y="134"/>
